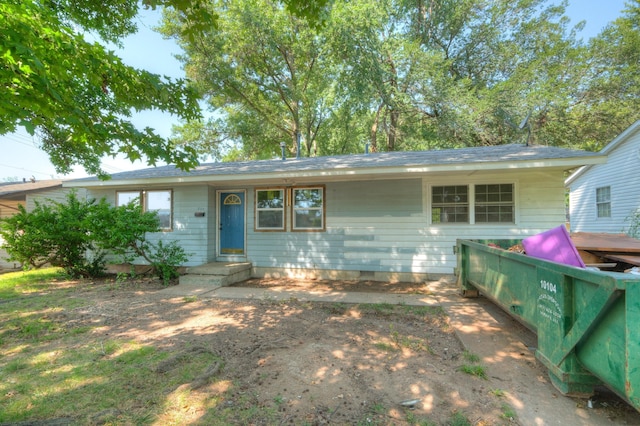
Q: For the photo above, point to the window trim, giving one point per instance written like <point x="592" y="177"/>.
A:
<point x="428" y="201"/>
<point x="454" y="204"/>
<point x="607" y="202"/>
<point x="487" y="203"/>
<point x="143" y="201"/>
<point x="323" y="208"/>
<point x="256" y="226"/>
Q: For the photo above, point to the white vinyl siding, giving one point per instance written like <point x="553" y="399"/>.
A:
<point x="620" y="174"/>
<point x="384" y="226"/>
<point x="58" y="195"/>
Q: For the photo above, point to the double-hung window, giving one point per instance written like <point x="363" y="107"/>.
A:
<point x="494" y="203"/>
<point x="450" y="204"/>
<point x="308" y="209"/>
<point x="270" y="209"/>
<point x="305" y="205"/>
<point x="603" y="201"/>
<point x="159" y="201"/>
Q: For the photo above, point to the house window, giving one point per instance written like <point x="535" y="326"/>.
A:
<point x="450" y="204"/>
<point x="308" y="209"/>
<point x="603" y="201"/>
<point x="125" y="197"/>
<point x="270" y="209"/>
<point x="151" y="201"/>
<point x="494" y="203"/>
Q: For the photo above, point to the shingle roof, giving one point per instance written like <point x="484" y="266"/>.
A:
<point x="14" y="189"/>
<point x="374" y="161"/>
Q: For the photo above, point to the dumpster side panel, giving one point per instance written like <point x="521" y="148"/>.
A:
<point x="508" y="280"/>
<point x="587" y="321"/>
<point x="612" y="349"/>
<point x="603" y="352"/>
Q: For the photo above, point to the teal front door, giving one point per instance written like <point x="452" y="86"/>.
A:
<point x="231" y="223"/>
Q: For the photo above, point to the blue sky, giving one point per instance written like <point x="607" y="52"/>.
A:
<point x="148" y="50"/>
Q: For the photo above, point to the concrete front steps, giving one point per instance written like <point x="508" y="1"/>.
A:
<point x="216" y="274"/>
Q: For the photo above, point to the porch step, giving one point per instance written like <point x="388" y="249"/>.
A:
<point x="217" y="274"/>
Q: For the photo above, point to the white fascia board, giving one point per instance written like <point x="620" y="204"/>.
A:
<point x="346" y="173"/>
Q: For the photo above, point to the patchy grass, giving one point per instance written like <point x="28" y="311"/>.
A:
<point x="508" y="413"/>
<point x="472" y="368"/>
<point x="17" y="284"/>
<point x="53" y="368"/>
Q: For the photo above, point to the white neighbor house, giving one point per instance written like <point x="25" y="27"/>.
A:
<point x="385" y="216"/>
<point x="603" y="196"/>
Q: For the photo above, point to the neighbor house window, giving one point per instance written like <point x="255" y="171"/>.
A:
<point x="450" y="204"/>
<point x="603" y="201"/>
<point x="308" y="209"/>
<point x="494" y="203"/>
<point x="270" y="209"/>
<point x="152" y="201"/>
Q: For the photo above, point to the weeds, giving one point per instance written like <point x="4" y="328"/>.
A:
<point x="471" y="368"/>
<point x="497" y="392"/>
<point x="459" y="419"/>
<point x="508" y="413"/>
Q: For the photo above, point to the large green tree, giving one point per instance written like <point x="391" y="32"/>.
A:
<point x="451" y="72"/>
<point x="606" y="93"/>
<point x="77" y="94"/>
<point x="397" y="74"/>
<point x="262" y="71"/>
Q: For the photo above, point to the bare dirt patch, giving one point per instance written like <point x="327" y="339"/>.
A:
<point x="295" y="362"/>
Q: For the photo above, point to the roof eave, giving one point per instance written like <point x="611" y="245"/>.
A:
<point x="347" y="172"/>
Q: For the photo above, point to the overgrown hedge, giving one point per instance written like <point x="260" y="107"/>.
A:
<point x="77" y="235"/>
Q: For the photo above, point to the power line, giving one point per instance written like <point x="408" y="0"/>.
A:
<point x="26" y="170"/>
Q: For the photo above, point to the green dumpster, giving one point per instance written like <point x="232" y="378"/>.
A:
<point x="587" y="321"/>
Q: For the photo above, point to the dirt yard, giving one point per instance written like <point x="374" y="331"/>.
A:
<point x="294" y="362"/>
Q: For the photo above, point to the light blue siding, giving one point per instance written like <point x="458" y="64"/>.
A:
<point x="371" y="226"/>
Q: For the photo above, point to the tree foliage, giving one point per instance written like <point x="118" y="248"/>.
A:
<point x="78" y="95"/>
<point x="54" y="233"/>
<point x="606" y="98"/>
<point x="76" y="235"/>
<point x="332" y="74"/>
<point x="263" y="69"/>
<point x="407" y="74"/>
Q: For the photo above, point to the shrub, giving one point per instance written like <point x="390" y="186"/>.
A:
<point x="633" y="229"/>
<point x="77" y="234"/>
<point x="58" y="234"/>
<point x="165" y="260"/>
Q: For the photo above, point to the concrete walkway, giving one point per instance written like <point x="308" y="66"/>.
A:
<point x="301" y="295"/>
<point x="504" y="346"/>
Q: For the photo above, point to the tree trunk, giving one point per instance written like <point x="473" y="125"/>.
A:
<point x="374" y="130"/>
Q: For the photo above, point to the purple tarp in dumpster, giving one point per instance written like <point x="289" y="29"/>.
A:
<point x="554" y="245"/>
